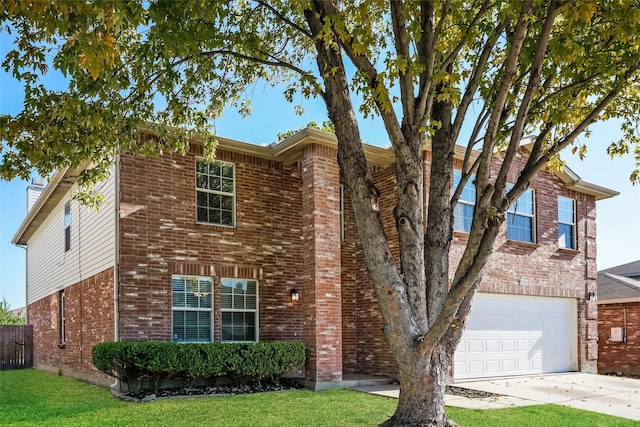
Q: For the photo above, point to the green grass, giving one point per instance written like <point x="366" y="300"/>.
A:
<point x="34" y="398"/>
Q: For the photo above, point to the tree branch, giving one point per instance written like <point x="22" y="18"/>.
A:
<point x="402" y="48"/>
<point x="284" y="19"/>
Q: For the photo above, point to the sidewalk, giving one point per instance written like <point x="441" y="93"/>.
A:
<point x="598" y="393"/>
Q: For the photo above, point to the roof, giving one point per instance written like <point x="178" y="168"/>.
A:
<point x="287" y="151"/>
<point x="631" y="269"/>
<point x="619" y="284"/>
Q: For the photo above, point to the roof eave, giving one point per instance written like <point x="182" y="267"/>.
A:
<point x="58" y="186"/>
<point x="573" y="182"/>
<point x="618" y="300"/>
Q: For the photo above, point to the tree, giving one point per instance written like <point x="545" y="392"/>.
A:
<point x="425" y="68"/>
<point x="7" y="317"/>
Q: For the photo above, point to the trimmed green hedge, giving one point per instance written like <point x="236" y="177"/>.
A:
<point x="148" y="364"/>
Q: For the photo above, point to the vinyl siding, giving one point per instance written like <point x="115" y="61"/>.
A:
<point x="49" y="267"/>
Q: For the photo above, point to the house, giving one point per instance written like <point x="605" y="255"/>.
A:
<point x="261" y="245"/>
<point x="619" y="319"/>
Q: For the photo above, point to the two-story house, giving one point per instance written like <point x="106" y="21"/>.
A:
<point x="261" y="245"/>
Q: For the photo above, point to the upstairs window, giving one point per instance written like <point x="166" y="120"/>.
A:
<point x="192" y="300"/>
<point x="215" y="193"/>
<point x="239" y="305"/>
<point x="67" y="226"/>
<point x="521" y="218"/>
<point x="463" y="212"/>
<point x="566" y="223"/>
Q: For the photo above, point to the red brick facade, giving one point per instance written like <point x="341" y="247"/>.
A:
<point x="288" y="235"/>
<point x="619" y="357"/>
<point x="88" y="320"/>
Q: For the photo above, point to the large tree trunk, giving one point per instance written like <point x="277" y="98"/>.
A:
<point x="422" y="389"/>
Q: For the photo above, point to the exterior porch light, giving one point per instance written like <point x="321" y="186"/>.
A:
<point x="295" y="295"/>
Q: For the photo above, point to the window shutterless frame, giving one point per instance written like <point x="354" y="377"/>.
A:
<point x="521" y="218"/>
<point x="566" y="223"/>
<point x="240" y="309"/>
<point x="463" y="211"/>
<point x="192" y="308"/>
<point x="215" y="193"/>
<point x="67" y="226"/>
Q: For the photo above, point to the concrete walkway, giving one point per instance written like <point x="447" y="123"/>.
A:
<point x="598" y="393"/>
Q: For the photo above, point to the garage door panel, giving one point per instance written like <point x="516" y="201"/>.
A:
<point x="515" y="335"/>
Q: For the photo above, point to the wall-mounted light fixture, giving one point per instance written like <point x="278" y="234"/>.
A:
<point x="295" y="295"/>
<point x="592" y="296"/>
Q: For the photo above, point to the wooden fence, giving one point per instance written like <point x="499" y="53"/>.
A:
<point x="16" y="347"/>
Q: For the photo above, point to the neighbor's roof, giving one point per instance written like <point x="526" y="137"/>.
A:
<point x="631" y="269"/>
<point x="287" y="151"/>
<point x="619" y="284"/>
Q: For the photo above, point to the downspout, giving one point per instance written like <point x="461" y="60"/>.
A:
<point x="116" y="263"/>
<point x="26" y="283"/>
<point x="116" y="252"/>
<point x="624" y="330"/>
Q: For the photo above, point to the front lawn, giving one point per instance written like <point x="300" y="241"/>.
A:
<point x="34" y="398"/>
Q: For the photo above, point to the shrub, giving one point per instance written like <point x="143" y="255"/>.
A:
<point x="148" y="364"/>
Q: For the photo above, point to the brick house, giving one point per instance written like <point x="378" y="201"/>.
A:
<point x="261" y="245"/>
<point x="619" y="319"/>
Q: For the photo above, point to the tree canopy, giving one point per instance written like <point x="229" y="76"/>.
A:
<point x="481" y="74"/>
<point x="182" y="63"/>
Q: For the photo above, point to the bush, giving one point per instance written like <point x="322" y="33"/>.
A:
<point x="148" y="364"/>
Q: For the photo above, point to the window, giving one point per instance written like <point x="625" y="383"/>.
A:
<point x="61" y="319"/>
<point x="342" y="213"/>
<point x="521" y="218"/>
<point x="239" y="310"/>
<point x="67" y="226"/>
<point x="566" y="223"/>
<point x="192" y="301"/>
<point x="215" y="193"/>
<point x="463" y="212"/>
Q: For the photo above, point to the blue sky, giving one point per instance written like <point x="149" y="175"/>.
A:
<point x="618" y="219"/>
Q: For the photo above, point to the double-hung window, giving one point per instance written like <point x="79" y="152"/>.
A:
<point x="215" y="193"/>
<point x="192" y="302"/>
<point x="521" y="218"/>
<point x="463" y="212"/>
<point x="67" y="226"/>
<point x="566" y="223"/>
<point x="239" y="305"/>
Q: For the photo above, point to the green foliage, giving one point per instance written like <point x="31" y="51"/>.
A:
<point x="148" y="364"/>
<point x="326" y="126"/>
<point x="7" y="317"/>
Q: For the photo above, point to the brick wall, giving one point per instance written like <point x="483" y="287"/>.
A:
<point x="159" y="237"/>
<point x="322" y="294"/>
<point x="88" y="314"/>
<point x="619" y="357"/>
<point x="538" y="269"/>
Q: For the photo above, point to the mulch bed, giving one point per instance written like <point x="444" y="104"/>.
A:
<point x="467" y="392"/>
<point x="203" y="391"/>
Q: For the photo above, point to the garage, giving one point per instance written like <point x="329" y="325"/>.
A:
<point x="517" y="335"/>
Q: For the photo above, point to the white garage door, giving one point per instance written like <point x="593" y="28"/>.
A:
<point x="517" y="335"/>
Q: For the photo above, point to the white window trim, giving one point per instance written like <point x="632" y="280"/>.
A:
<point x="63" y="318"/>
<point x="518" y="213"/>
<point x="211" y="317"/>
<point x="461" y="200"/>
<point x="235" y="310"/>
<point x="574" y="243"/>
<point x="233" y="196"/>
<point x="67" y="225"/>
<point x="341" y="213"/>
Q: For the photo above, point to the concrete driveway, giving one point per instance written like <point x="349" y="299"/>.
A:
<point x="598" y="393"/>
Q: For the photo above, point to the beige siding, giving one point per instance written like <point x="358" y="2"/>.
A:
<point x="49" y="267"/>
